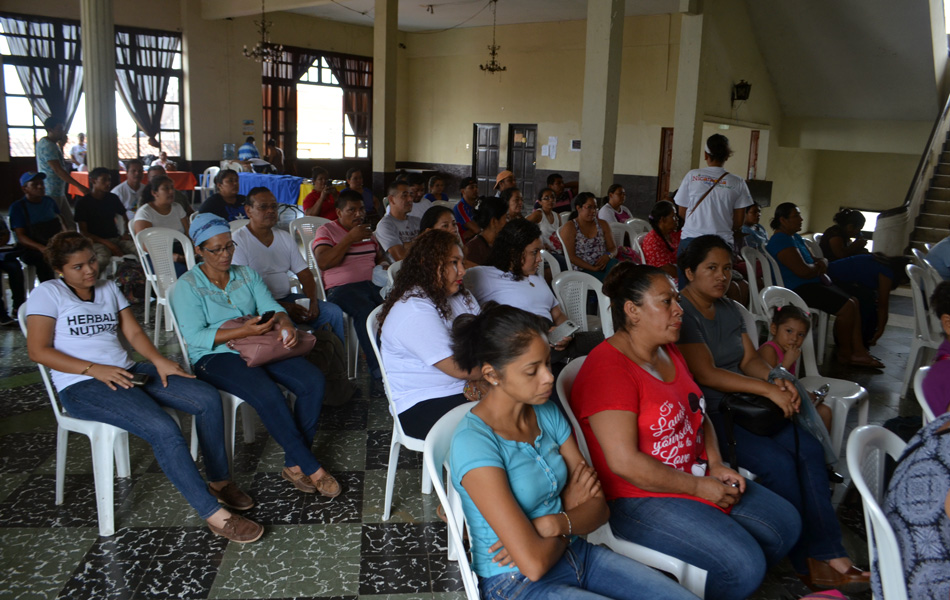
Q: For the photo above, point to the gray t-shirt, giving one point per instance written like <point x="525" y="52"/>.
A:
<point x="392" y="232"/>
<point x="722" y="335"/>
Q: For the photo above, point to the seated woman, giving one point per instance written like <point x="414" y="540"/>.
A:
<point x="438" y="217"/>
<point x="753" y="234"/>
<point x="526" y="492"/>
<point x="514" y="200"/>
<point x="94" y="377"/>
<point x="802" y="274"/>
<point x="549" y="222"/>
<point x="613" y="210"/>
<point x="424" y="380"/>
<point x="655" y="449"/>
<point x="588" y="244"/>
<point x="491" y="214"/>
<point x="436" y="190"/>
<point x="163" y="211"/>
<point x="660" y="244"/>
<point x="321" y="202"/>
<point x="511" y="277"/>
<point x="227" y="203"/>
<point x="723" y="360"/>
<point x="215" y="292"/>
<point x="937" y="382"/>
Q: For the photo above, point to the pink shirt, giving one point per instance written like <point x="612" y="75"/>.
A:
<point x="358" y="263"/>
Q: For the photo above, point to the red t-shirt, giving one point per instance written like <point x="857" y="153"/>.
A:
<point x="327" y="211"/>
<point x="655" y="252"/>
<point x="669" y="417"/>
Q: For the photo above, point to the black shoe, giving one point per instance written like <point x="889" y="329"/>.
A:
<point x="834" y="476"/>
<point x="376" y="389"/>
<point x="6" y="320"/>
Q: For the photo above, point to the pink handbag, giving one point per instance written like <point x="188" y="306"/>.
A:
<point x="257" y="350"/>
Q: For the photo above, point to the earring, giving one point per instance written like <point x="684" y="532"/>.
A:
<point x="494" y="383"/>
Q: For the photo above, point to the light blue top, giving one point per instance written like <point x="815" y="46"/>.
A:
<point x="202" y="307"/>
<point x="755" y="236"/>
<point x="780" y="241"/>
<point x="536" y="473"/>
<point x="939" y="257"/>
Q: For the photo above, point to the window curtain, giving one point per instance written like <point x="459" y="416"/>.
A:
<point x="356" y="78"/>
<point x="48" y="60"/>
<point x="143" y="68"/>
<point x="279" y="99"/>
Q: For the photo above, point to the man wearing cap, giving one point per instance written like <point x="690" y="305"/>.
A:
<point x="505" y="180"/>
<point x="464" y="209"/>
<point x="49" y="162"/>
<point x="272" y="252"/>
<point x="35" y="219"/>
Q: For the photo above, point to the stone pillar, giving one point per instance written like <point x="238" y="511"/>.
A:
<point x="385" y="32"/>
<point x="98" y="50"/>
<point x="688" y="115"/>
<point x="602" y="63"/>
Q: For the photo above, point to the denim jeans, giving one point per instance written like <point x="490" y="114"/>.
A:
<point x="138" y="411"/>
<point x="358" y="300"/>
<point x="258" y="387"/>
<point x="586" y="571"/>
<point x="329" y="313"/>
<point x="802" y="480"/>
<point x="734" y="549"/>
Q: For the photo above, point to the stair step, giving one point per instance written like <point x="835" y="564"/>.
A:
<point x="943" y="168"/>
<point x="945" y="156"/>
<point x="934" y="221"/>
<point x="926" y="234"/>
<point x="940" y="181"/>
<point x="936" y="207"/>
<point x="938" y="194"/>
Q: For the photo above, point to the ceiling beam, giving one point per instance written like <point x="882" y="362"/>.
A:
<point x="224" y="9"/>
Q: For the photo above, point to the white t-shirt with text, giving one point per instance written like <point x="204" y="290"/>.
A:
<point x="392" y="232"/>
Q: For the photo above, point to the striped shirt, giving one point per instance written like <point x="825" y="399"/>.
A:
<point x="358" y="263"/>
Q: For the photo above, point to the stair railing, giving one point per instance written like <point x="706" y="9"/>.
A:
<point x="895" y="225"/>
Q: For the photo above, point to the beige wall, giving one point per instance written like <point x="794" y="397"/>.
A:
<point x="156" y="14"/>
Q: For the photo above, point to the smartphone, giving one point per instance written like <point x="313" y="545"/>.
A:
<point x="139" y="379"/>
<point x="266" y="317"/>
<point x="562" y="331"/>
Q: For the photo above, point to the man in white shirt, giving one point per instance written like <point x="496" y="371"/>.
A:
<point x="77" y="154"/>
<point x="273" y="253"/>
<point x="396" y="231"/>
<point x="129" y="190"/>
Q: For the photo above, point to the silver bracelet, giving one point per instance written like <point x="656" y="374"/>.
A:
<point x="570" y="526"/>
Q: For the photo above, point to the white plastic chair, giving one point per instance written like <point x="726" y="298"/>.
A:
<point x="392" y="271"/>
<point x="638" y="246"/>
<point x="691" y="577"/>
<point x="399" y="438"/>
<point x="115" y="261"/>
<point x="928" y="335"/>
<point x="619" y="231"/>
<point x="237" y="224"/>
<point x="551" y="263"/>
<point x="756" y="262"/>
<point x="434" y="456"/>
<point x="867" y="448"/>
<point x="563" y="216"/>
<point x="571" y="289"/>
<point x="147" y="269"/>
<point x="446" y="203"/>
<point x="842" y="394"/>
<point x="638" y="226"/>
<point x="813" y="247"/>
<point x="927" y="412"/>
<point x="205" y="187"/>
<point x="305" y="228"/>
<point x="157" y="243"/>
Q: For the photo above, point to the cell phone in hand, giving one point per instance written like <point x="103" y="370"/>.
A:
<point x="266" y="317"/>
<point x="139" y="379"/>
<point x="562" y="331"/>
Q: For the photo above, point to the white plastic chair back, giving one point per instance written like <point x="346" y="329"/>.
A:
<point x="922" y="287"/>
<point x="434" y="456"/>
<point x="867" y="448"/>
<point x="399" y="437"/>
<point x="776" y="296"/>
<point x="571" y="289"/>
<point x="918" y="256"/>
<point x="392" y="271"/>
<point x="446" y="203"/>
<point x="690" y="577"/>
<point x="814" y="248"/>
<point x="755" y="263"/>
<point x="618" y="231"/>
<point x="237" y="224"/>
<point x="751" y="325"/>
<point x="638" y="226"/>
<point x="551" y="263"/>
<point x="564" y="217"/>
<point x="817" y="237"/>
<point x="638" y="246"/>
<point x="926" y="412"/>
<point x="158" y="243"/>
<point x="305" y="229"/>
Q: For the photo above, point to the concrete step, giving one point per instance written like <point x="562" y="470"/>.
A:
<point x="936" y="207"/>
<point x="945" y="156"/>
<point x="934" y="221"/>
<point x="938" y="194"/>
<point x="942" y="168"/>
<point x="926" y="234"/>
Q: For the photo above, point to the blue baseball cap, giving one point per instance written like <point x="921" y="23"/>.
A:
<point x="30" y="176"/>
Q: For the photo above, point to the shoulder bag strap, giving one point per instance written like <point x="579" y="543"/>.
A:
<point x="703" y="197"/>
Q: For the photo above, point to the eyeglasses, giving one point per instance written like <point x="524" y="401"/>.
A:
<point x="266" y="207"/>
<point x="229" y="248"/>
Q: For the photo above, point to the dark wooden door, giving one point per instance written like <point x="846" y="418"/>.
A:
<point x="485" y="156"/>
<point x="666" y="163"/>
<point x="522" y="157"/>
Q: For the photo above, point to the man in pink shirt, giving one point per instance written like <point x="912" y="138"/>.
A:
<point x="346" y="253"/>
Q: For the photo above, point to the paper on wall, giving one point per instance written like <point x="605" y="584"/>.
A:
<point x="552" y="147"/>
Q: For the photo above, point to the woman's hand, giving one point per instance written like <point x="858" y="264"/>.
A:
<point x="718" y="492"/>
<point x="111" y="376"/>
<point x="560" y="344"/>
<point x="792" y="354"/>
<point x="167" y="367"/>
<point x="601" y="263"/>
<point x="728" y="476"/>
<point x="581" y="487"/>
<point x="289" y="334"/>
<point x="253" y="326"/>
<point x="502" y="558"/>
<point x="782" y="398"/>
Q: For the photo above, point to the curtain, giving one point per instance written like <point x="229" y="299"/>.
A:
<point x="356" y="78"/>
<point x="48" y="60"/>
<point x="143" y="68"/>
<point x="279" y="96"/>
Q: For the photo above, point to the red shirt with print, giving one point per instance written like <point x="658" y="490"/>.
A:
<point x="655" y="252"/>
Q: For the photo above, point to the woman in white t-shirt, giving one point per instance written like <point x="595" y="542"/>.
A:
<point x="163" y="211"/>
<point x="73" y="325"/>
<point x="416" y="320"/>
<point x="613" y="210"/>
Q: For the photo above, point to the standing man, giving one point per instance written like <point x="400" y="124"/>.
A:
<point x="130" y="190"/>
<point x="274" y="156"/>
<point x="49" y="162"/>
<point x="77" y="154"/>
<point x="35" y="219"/>
<point x="248" y="150"/>
<point x="396" y="230"/>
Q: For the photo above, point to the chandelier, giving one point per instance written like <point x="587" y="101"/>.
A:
<point x="264" y="51"/>
<point x="493" y="66"/>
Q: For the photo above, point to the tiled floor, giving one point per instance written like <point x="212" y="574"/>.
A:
<point x="313" y="547"/>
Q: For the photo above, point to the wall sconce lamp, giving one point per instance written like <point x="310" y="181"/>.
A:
<point x="740" y="91"/>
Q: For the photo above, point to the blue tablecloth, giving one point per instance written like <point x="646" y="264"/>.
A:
<point x="286" y="188"/>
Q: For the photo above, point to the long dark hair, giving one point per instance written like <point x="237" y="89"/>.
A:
<point x="661" y="210"/>
<point x="508" y="249"/>
<point x="782" y="211"/>
<point x="488" y="209"/>
<point x="496" y="336"/>
<point x="148" y="192"/>
<point x="698" y="249"/>
<point x="628" y="281"/>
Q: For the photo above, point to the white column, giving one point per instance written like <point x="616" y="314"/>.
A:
<point x="688" y="115"/>
<point x="98" y="51"/>
<point x="385" y="32"/>
<point x="602" y="63"/>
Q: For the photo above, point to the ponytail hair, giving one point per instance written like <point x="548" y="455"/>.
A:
<point x="496" y="336"/>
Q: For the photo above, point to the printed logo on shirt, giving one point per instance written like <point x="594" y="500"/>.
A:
<point x="90" y="325"/>
<point x="724" y="182"/>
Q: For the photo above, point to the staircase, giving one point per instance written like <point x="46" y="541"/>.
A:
<point x="933" y="222"/>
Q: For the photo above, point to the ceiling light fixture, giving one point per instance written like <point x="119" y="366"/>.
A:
<point x="264" y="50"/>
<point x="493" y="66"/>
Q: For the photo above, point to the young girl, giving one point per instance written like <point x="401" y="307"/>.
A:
<point x="789" y="327"/>
<point x="436" y="185"/>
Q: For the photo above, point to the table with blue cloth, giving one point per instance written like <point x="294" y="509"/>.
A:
<point x="286" y="188"/>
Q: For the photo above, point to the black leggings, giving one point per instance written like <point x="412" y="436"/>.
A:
<point x="418" y="420"/>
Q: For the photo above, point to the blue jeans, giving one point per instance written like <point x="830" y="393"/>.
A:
<point x="801" y="480"/>
<point x="586" y="571"/>
<point x="138" y="411"/>
<point x="258" y="387"/>
<point x="358" y="300"/>
<point x="329" y="313"/>
<point x="734" y="549"/>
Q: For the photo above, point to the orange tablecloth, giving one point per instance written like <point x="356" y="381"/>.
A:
<point x="183" y="180"/>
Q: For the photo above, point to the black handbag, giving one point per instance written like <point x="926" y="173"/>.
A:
<point x="756" y="414"/>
